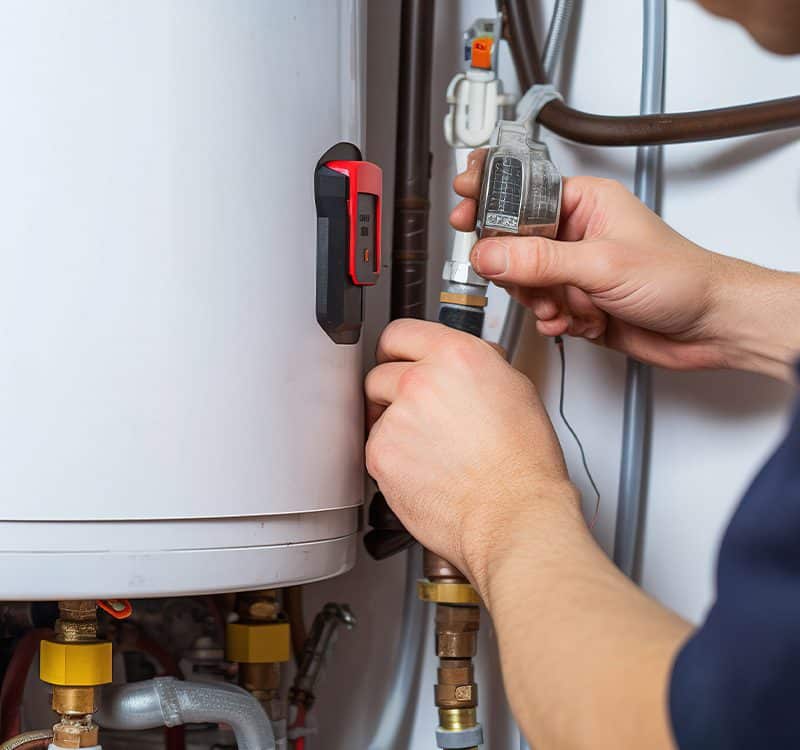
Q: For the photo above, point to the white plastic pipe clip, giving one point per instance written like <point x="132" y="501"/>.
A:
<point x="532" y="101"/>
<point x="474" y="100"/>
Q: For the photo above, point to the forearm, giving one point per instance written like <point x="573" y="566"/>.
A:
<point x="759" y="313"/>
<point x="586" y="656"/>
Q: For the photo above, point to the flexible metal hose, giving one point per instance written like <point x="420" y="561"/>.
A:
<point x="637" y="130"/>
<point x="38" y="740"/>
<point x="165" y="701"/>
<point x="638" y="388"/>
<point x="412" y="641"/>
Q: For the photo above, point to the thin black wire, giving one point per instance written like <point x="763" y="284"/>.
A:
<point x="559" y="342"/>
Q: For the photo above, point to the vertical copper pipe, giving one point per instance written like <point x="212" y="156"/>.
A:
<point x="518" y="30"/>
<point x="412" y="161"/>
<point x="411" y="209"/>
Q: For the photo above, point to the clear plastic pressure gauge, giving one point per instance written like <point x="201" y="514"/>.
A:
<point x="521" y="190"/>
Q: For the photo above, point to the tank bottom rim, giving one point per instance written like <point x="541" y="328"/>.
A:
<point x="41" y="575"/>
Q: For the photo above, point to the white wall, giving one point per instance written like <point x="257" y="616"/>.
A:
<point x="712" y="430"/>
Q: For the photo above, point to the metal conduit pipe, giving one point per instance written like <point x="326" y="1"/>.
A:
<point x="515" y="313"/>
<point x="411" y="209"/>
<point x="409" y="275"/>
<point x="37" y="740"/>
<point x="404" y="675"/>
<point x="638" y="388"/>
<point x="637" y="130"/>
<point x="165" y="701"/>
<point x="553" y="48"/>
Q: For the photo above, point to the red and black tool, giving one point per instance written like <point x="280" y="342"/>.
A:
<point x="348" y="191"/>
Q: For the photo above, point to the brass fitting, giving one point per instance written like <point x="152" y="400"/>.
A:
<point x="456" y="686"/>
<point x="457" y="622"/>
<point x="260" y="642"/>
<point x="72" y="701"/>
<point x="257" y="643"/>
<point x="75" y="663"/>
<point x="76" y="733"/>
<point x="457" y="718"/>
<point x="457" y="631"/>
<point x="447" y="592"/>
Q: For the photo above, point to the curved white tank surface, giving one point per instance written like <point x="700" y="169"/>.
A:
<point x="172" y="417"/>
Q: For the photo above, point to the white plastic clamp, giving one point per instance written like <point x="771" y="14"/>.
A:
<point x="532" y="101"/>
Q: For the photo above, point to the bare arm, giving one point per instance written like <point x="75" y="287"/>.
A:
<point x="464" y="452"/>
<point x="586" y="655"/>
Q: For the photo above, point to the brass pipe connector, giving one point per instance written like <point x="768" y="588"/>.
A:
<point x="457" y="622"/>
<point x="75" y="663"/>
<point x="259" y="643"/>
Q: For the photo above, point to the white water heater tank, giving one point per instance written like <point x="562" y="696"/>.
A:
<point x="173" y="419"/>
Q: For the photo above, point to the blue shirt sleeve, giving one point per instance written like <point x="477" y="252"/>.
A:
<point x="736" y="682"/>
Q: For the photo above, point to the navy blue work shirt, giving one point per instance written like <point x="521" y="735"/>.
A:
<point x="736" y="682"/>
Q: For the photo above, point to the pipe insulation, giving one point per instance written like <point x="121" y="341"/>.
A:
<point x="165" y="701"/>
<point x="638" y="386"/>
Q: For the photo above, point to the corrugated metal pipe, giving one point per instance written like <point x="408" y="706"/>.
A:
<point x="168" y="702"/>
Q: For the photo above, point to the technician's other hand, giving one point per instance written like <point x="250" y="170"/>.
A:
<point x="459" y="442"/>
<point x="620" y="275"/>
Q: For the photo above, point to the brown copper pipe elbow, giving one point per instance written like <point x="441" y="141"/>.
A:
<point x="637" y="130"/>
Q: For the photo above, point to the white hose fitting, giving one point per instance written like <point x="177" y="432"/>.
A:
<point x="165" y="701"/>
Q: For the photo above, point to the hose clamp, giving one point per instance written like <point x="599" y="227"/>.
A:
<point x="168" y="701"/>
<point x="457" y="739"/>
<point x="534" y="99"/>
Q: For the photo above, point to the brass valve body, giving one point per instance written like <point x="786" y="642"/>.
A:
<point x="75" y="663"/>
<point x="260" y="642"/>
<point x="456" y="686"/>
<point x="457" y="622"/>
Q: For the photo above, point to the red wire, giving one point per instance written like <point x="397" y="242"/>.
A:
<point x="300" y="723"/>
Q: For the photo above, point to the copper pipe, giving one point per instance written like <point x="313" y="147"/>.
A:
<point x="436" y="568"/>
<point x="412" y="161"/>
<point x="637" y="130"/>
<point x="411" y="209"/>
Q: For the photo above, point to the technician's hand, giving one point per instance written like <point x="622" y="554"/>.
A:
<point x="459" y="442"/>
<point x="618" y="274"/>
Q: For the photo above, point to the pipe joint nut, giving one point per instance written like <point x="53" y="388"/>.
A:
<point x="75" y="664"/>
<point x="462" y="273"/>
<point x="258" y="643"/>
<point x="447" y="593"/>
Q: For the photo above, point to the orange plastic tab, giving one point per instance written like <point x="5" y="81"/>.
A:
<point x="482" y="52"/>
<point x="119" y="609"/>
